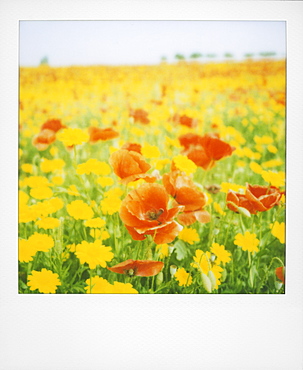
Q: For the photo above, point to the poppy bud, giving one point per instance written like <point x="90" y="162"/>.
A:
<point x="173" y="269"/>
<point x="212" y="279"/>
<point x="212" y="257"/>
<point x="244" y="211"/>
<point x="159" y="278"/>
<point x="206" y="283"/>
<point x="278" y="285"/>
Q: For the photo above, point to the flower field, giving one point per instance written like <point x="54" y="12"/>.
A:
<point x="166" y="179"/>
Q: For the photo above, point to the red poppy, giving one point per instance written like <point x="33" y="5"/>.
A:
<point x="187" y="194"/>
<point x="185" y="120"/>
<point x="257" y="198"/>
<point x="130" y="166"/>
<point x="138" y="268"/>
<point x="43" y="139"/>
<point x="132" y="147"/>
<point x="144" y="212"/>
<point x="139" y="115"/>
<point x="280" y="273"/>
<point x="104" y="134"/>
<point x="53" y="125"/>
<point x="205" y="150"/>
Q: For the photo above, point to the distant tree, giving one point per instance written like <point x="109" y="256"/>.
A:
<point x="44" y="61"/>
<point x="195" y="55"/>
<point x="267" y="54"/>
<point x="163" y="59"/>
<point x="228" y="55"/>
<point x="210" y="55"/>
<point x="179" y="57"/>
<point x="248" y="55"/>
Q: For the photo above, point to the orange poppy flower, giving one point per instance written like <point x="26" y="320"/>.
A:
<point x="187" y="194"/>
<point x="53" y="125"/>
<point x="280" y="273"/>
<point x="130" y="166"/>
<point x="104" y="134"/>
<point x="132" y="147"/>
<point x="43" y="139"/>
<point x="138" y="268"/>
<point x="185" y="120"/>
<point x="144" y="212"/>
<point x="139" y="115"/>
<point x="205" y="150"/>
<point x="257" y="198"/>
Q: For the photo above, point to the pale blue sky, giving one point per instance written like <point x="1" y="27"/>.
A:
<point x="144" y="42"/>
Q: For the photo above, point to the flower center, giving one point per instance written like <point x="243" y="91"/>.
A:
<point x="154" y="215"/>
<point x="130" y="272"/>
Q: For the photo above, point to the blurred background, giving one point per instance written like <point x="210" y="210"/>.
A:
<point x="67" y="43"/>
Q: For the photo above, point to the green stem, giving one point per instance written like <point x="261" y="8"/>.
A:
<point x="267" y="271"/>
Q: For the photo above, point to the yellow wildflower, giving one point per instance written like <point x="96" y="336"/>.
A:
<point x="72" y="190"/>
<point x="94" y="253"/>
<point x="255" y="167"/>
<point x="99" y="234"/>
<point x="184" y="164"/>
<point x="48" y="223"/>
<point x="79" y="210"/>
<point x="278" y="230"/>
<point x="44" y="192"/>
<point x="274" y="178"/>
<point x="163" y="250"/>
<point x="150" y="151"/>
<point x="41" y="242"/>
<point x="248" y="241"/>
<point x="184" y="278"/>
<point x="23" y="197"/>
<point x="45" y="281"/>
<point x="221" y="253"/>
<point x="99" y="285"/>
<point x="110" y="205"/>
<point x="37" y="181"/>
<point x="218" y="209"/>
<point x="26" y="251"/>
<point x="93" y="166"/>
<point x="226" y="186"/>
<point x="263" y="139"/>
<point x="114" y="192"/>
<point x="72" y="136"/>
<point x="160" y="163"/>
<point x="57" y="180"/>
<point x="51" y="165"/>
<point x="95" y="223"/>
<point x="273" y="163"/>
<point x="105" y="181"/>
<point x="189" y="235"/>
<point x="27" y="167"/>
<point x="272" y="149"/>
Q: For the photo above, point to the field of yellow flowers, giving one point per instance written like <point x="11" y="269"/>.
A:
<point x="152" y="179"/>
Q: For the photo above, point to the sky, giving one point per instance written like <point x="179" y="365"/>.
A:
<point x="67" y="43"/>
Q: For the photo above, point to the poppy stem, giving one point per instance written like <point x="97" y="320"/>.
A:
<point x="267" y="271"/>
<point x="249" y="258"/>
<point x="90" y="281"/>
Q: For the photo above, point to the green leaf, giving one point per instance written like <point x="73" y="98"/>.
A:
<point x="180" y="249"/>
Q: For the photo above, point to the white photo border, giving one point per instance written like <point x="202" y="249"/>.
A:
<point x="81" y="332"/>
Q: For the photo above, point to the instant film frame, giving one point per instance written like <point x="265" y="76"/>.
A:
<point x="227" y="327"/>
